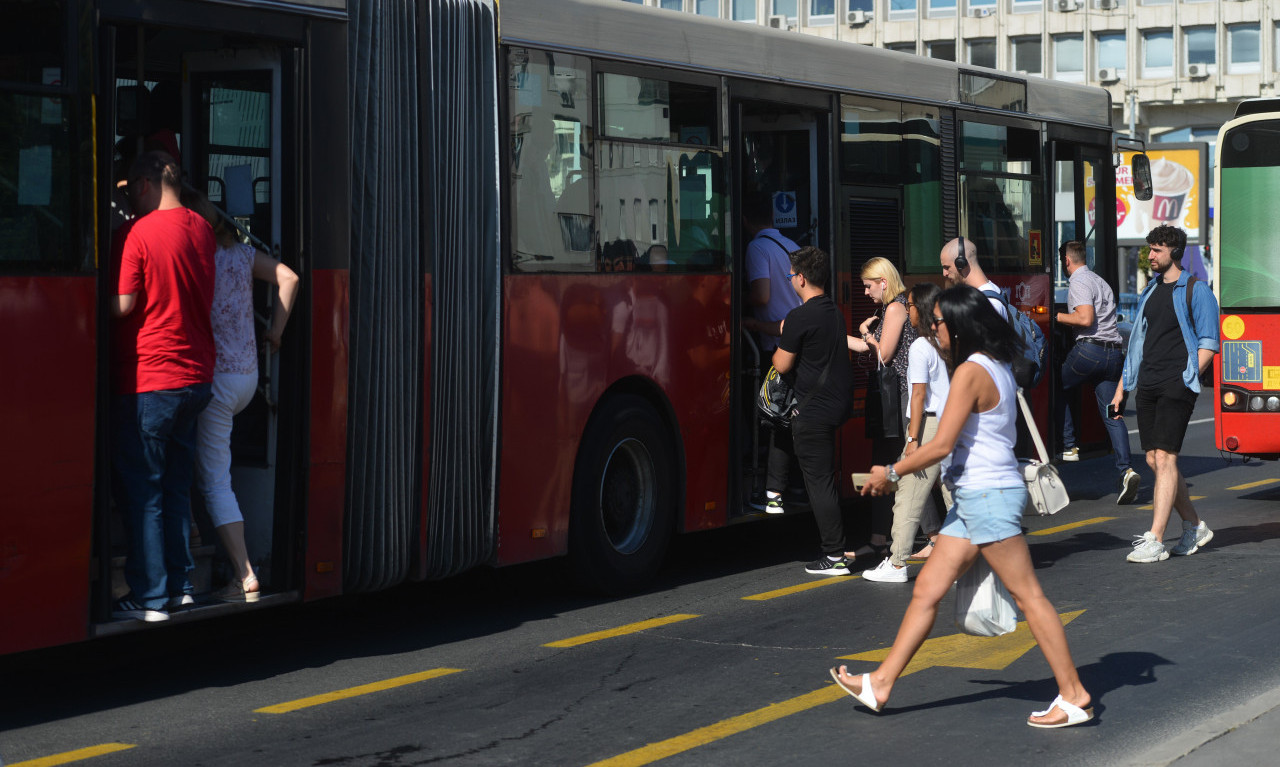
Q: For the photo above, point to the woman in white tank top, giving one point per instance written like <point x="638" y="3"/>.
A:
<point x="974" y="442"/>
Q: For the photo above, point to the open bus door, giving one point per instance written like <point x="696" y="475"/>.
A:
<point x="1082" y="201"/>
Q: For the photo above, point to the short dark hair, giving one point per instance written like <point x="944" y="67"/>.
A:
<point x="814" y="264"/>
<point x="974" y="325"/>
<point x="1074" y="251"/>
<point x="158" y="168"/>
<point x="1171" y="237"/>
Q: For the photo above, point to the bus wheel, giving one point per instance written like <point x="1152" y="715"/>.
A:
<point x="623" y="498"/>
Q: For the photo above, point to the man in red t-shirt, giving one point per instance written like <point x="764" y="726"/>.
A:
<point x="163" y="371"/>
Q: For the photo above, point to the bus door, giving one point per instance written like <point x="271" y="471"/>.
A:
<point x="233" y="115"/>
<point x="1082" y="199"/>
<point x="784" y="158"/>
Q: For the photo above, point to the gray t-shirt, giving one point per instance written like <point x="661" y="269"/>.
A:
<point x="1086" y="287"/>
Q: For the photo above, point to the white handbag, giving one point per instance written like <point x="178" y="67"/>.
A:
<point x="1045" y="492"/>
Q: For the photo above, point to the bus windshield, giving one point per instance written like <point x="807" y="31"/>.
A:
<point x="1249" y="187"/>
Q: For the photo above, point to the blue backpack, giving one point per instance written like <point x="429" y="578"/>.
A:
<point x="1034" y="347"/>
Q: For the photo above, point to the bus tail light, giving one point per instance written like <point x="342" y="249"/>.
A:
<point x="1229" y="399"/>
<point x="1273" y="404"/>
<point x="1232" y="444"/>
<point x="1255" y="404"/>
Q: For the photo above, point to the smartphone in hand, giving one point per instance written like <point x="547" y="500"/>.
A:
<point x="1111" y="411"/>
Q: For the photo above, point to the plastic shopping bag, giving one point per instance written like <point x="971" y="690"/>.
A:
<point x="984" y="607"/>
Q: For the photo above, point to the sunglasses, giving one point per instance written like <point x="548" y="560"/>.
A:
<point x="938" y="321"/>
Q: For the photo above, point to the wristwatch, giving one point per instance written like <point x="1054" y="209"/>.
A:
<point x="910" y="439"/>
<point x="890" y="474"/>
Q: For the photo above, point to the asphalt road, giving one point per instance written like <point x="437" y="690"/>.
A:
<point x="723" y="662"/>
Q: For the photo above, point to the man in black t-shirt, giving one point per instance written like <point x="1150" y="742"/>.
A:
<point x="1173" y="342"/>
<point x="813" y="354"/>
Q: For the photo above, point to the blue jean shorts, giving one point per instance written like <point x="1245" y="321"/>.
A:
<point x="986" y="516"/>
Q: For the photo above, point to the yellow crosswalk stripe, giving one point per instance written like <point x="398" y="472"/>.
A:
<point x="1259" y="483"/>
<point x="1149" y="507"/>
<point x="79" y="754"/>
<point x="1072" y="526"/>
<point x="352" y="692"/>
<point x="795" y="589"/>
<point x="630" y="628"/>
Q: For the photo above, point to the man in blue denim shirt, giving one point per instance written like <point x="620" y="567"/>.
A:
<point x="1096" y="358"/>
<point x="1168" y="351"/>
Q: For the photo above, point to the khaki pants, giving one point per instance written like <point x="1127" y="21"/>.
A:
<point x="913" y="501"/>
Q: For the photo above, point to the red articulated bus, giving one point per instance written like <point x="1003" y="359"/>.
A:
<point x="1247" y="385"/>
<point x="518" y="232"/>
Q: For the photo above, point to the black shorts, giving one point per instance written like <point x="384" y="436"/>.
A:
<point x="1163" y="414"/>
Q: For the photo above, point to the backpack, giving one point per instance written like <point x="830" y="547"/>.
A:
<point x="1034" y="346"/>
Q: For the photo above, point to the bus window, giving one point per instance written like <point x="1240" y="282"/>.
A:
<point x="1001" y="194"/>
<point x="550" y="105"/>
<point x="1249" y="168"/>
<point x="36" y="171"/>
<point x="646" y="109"/>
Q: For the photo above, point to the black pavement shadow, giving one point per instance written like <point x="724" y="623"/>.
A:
<point x="1045" y="554"/>
<point x="1234" y="536"/>
<point x="1111" y="672"/>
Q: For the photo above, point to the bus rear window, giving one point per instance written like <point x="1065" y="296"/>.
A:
<point x="1246" y="231"/>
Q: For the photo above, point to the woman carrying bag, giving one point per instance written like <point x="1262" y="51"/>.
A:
<point x="975" y="445"/>
<point x="887" y="334"/>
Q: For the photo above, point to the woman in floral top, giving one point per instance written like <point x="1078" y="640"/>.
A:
<point x="235" y="379"/>
<point x="890" y="338"/>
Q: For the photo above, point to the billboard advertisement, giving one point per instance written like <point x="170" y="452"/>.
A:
<point x="1180" y="177"/>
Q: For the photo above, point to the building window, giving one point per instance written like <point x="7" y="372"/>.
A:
<point x="902" y="9"/>
<point x="991" y="4"/>
<point x="982" y="53"/>
<point x="942" y="9"/>
<point x="1026" y="55"/>
<point x="902" y="47"/>
<point x="1112" y="51"/>
<point x="671" y="5"/>
<point x="1157" y="53"/>
<point x="862" y="5"/>
<point x="744" y="10"/>
<point x="1201" y="46"/>
<point x="1068" y="57"/>
<point x="784" y="8"/>
<point x="707" y="7"/>
<point x="1029" y="6"/>
<point x="1243" y="49"/>
<point x="822" y="12"/>
<point x="942" y="49"/>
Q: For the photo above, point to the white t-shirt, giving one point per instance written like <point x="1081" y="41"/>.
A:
<point x="770" y="260"/>
<point x="925" y="366"/>
<point x="997" y="303"/>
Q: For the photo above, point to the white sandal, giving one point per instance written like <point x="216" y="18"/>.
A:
<point x="866" y="696"/>
<point x="1075" y="715"/>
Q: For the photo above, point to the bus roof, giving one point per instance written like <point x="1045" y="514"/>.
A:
<point x="1257" y="106"/>
<point x="636" y="33"/>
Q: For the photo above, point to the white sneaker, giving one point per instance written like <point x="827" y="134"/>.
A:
<point x="1071" y="455"/>
<point x="1129" y="485"/>
<point x="1147" y="548"/>
<point x="885" y="572"/>
<point x="1193" y="537"/>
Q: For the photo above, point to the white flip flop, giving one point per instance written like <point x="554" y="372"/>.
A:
<point x="866" y="696"/>
<point x="1075" y="715"/>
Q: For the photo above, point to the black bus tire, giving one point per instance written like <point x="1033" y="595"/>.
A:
<point x="624" y="498"/>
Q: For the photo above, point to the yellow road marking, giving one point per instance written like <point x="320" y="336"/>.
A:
<point x="630" y="628"/>
<point x="74" y="756"/>
<point x="965" y="651"/>
<point x="1072" y="526"/>
<point x="1149" y="507"/>
<point x="352" y="692"/>
<point x="1259" y="483"/>
<point x="957" y="650"/>
<point x="711" y="733"/>
<point x="794" y="589"/>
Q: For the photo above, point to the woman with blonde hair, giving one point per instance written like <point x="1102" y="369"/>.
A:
<point x="235" y="379"/>
<point x="887" y="334"/>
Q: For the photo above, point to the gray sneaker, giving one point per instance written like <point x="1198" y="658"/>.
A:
<point x="1147" y="548"/>
<point x="1193" y="537"/>
<point x="1129" y="485"/>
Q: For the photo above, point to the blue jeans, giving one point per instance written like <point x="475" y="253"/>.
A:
<point x="155" y="460"/>
<point x="1102" y="367"/>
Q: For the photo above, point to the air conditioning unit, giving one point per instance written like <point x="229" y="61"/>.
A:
<point x="778" y="22"/>
<point x="980" y="13"/>
<point x="857" y="18"/>
<point x="1197" y="70"/>
<point x="1108" y="75"/>
<point x="1067" y="6"/>
<point x="1108" y="5"/>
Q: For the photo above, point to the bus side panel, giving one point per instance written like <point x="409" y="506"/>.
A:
<point x="327" y="475"/>
<point x="1248" y="359"/>
<point x="419" y="560"/>
<point x="566" y="340"/>
<point x="47" y="396"/>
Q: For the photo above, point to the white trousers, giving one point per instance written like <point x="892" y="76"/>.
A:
<point x="232" y="392"/>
